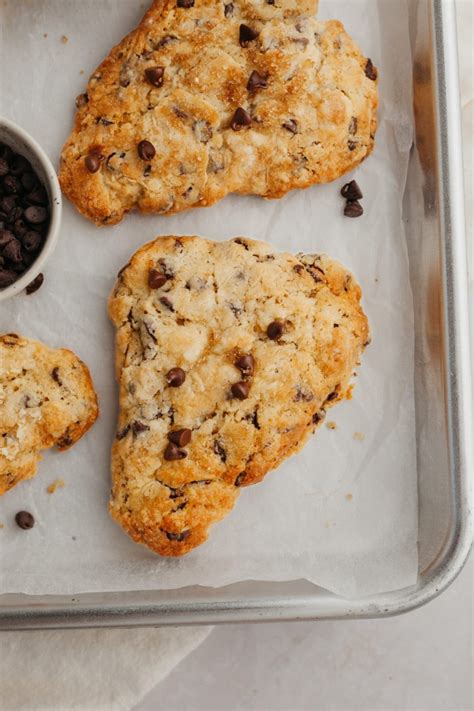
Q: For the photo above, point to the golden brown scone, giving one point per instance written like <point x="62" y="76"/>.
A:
<point x="187" y="311"/>
<point x="46" y="398"/>
<point x="219" y="112"/>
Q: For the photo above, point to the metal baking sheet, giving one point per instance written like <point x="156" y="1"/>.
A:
<point x="436" y="242"/>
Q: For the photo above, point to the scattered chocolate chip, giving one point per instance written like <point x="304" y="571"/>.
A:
<point x="229" y="9"/>
<point x="184" y="534"/>
<point x="24" y="520"/>
<point x="173" y="453"/>
<point x="11" y="184"/>
<point x="8" y="203"/>
<point x="36" y="214"/>
<point x="353" y="208"/>
<point x="240" y="119"/>
<point x="5" y="237"/>
<point x="20" y="228"/>
<point x="93" y="161"/>
<point x="156" y="279"/>
<point x="275" y="330"/>
<point x="351" y="191"/>
<point x="240" y="479"/>
<point x="35" y="284"/>
<point x="370" y="70"/>
<point x="81" y="100"/>
<point x="175" y="377"/>
<point x="138" y="427"/>
<point x="241" y="390"/>
<point x="167" y="303"/>
<point x="247" y="35"/>
<point x="220" y="451"/>
<point x="291" y="126"/>
<point x="31" y="241"/>
<point x="180" y="437"/>
<point x="155" y="75"/>
<point x="146" y="150"/>
<point x="28" y="181"/>
<point x="19" y="165"/>
<point x="7" y="277"/>
<point x="256" y="81"/>
<point x="121" y="434"/>
<point x="245" y="363"/>
<point x="39" y="196"/>
<point x="3" y="167"/>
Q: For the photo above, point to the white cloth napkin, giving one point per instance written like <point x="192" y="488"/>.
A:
<point x="89" y="670"/>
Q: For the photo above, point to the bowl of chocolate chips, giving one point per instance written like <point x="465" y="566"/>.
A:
<point x="30" y="211"/>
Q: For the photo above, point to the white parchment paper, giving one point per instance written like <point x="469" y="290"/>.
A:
<point x="342" y="513"/>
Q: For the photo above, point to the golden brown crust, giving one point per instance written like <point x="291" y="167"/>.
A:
<point x="315" y="120"/>
<point x="47" y="398"/>
<point x="216" y="304"/>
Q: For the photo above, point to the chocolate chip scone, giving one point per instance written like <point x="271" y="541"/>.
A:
<point x="228" y="355"/>
<point x="209" y="97"/>
<point x="46" y="398"/>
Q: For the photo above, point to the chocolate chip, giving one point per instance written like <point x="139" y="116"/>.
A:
<point x="353" y="126"/>
<point x="291" y="126"/>
<point x="241" y="390"/>
<point x="11" y="184"/>
<point x="184" y="534"/>
<point x="155" y="75"/>
<point x="28" y="181"/>
<point x="351" y="191"/>
<point x="3" y="167"/>
<point x="318" y="417"/>
<point x="370" y="70"/>
<point x="35" y="214"/>
<point x="167" y="303"/>
<point x="81" y="100"/>
<point x="19" y="165"/>
<point x="5" y="237"/>
<point x="220" y="451"/>
<point x="275" y="330"/>
<point x="180" y="437"/>
<point x="39" y="196"/>
<point x="186" y="4"/>
<point x="104" y="121"/>
<point x="332" y="396"/>
<point x="35" y="284"/>
<point x="8" y="203"/>
<point x="353" y="208"/>
<point x="246" y="35"/>
<point x="93" y="161"/>
<point x="256" y="81"/>
<point x="123" y="432"/>
<point x="229" y="9"/>
<point x="175" y="377"/>
<point x="245" y="363"/>
<point x="24" y="520"/>
<point x="31" y="241"/>
<point x="139" y="427"/>
<point x="156" y="279"/>
<point x="55" y="375"/>
<point x="19" y="227"/>
<point x="352" y="145"/>
<point x="173" y="453"/>
<point x="240" y="479"/>
<point x="146" y="150"/>
<point x="12" y="251"/>
<point x="240" y="119"/>
<point x="7" y="277"/>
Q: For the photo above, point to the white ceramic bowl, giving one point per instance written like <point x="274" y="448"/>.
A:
<point x="21" y="142"/>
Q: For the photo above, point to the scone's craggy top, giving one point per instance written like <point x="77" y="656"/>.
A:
<point x="46" y="398"/>
<point x="187" y="311"/>
<point x="229" y="97"/>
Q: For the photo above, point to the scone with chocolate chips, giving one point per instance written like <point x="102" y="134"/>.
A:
<point x="212" y="97"/>
<point x="228" y="355"/>
<point x="46" y="398"/>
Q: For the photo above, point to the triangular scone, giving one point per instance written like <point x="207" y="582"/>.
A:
<point x="207" y="98"/>
<point x="227" y="356"/>
<point x="46" y="398"/>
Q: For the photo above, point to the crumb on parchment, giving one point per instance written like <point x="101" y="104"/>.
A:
<point x="2" y="525"/>
<point x="57" y="483"/>
<point x="359" y="436"/>
<point x="349" y="497"/>
<point x="64" y="39"/>
<point x="331" y="425"/>
<point x="45" y="35"/>
<point x="349" y="392"/>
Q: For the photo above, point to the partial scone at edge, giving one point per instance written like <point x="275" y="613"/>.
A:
<point x="215" y="305"/>
<point x="311" y="120"/>
<point x="47" y="398"/>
